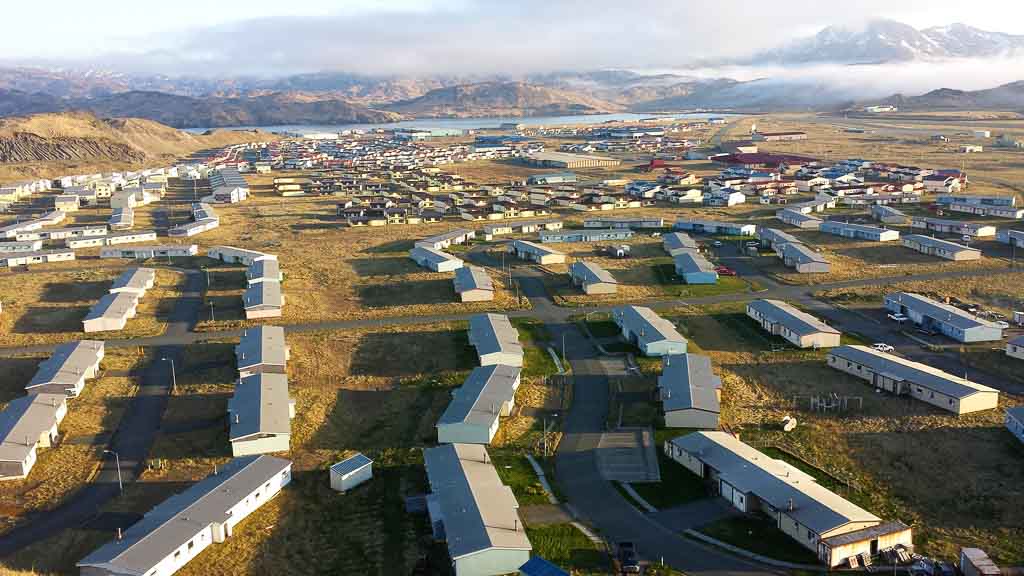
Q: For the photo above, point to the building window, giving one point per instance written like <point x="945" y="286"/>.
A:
<point x="177" y="554"/>
<point x="191" y="544"/>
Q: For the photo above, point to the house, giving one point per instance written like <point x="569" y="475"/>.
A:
<point x="724" y="197"/>
<point x="134" y="281"/>
<point x="958" y="227"/>
<point x="975" y="562"/>
<point x="150" y="251"/>
<point x="259" y="415"/>
<point x="798" y="219"/>
<point x="1015" y="421"/>
<point x="859" y="231"/>
<point x="714" y="227"/>
<point x="181" y="527"/>
<point x="677" y="242"/>
<point x="434" y="259"/>
<point x="27" y="424"/>
<point x="585" y="235"/>
<point x="631" y="223"/>
<point x="694" y="268"/>
<point x="263" y="300"/>
<point x="111" y="240"/>
<point x="351" y="472"/>
<point x="900" y="376"/>
<point x="987" y="211"/>
<point x="942" y="318"/>
<point x="232" y="255"/>
<point x="262" y="349"/>
<point x="472" y="284"/>
<point x="652" y="334"/>
<point x="1015" y="347"/>
<point x="24" y="246"/>
<point x="67" y="368"/>
<point x="772" y="238"/>
<point x="690" y="392"/>
<point x="592" y="278"/>
<point x="795" y="326"/>
<point x="41" y="257"/>
<point x="495" y="339"/>
<point x="941" y="248"/>
<point x="1008" y="201"/>
<point x="473" y="414"/>
<point x="442" y="241"/>
<point x="888" y="215"/>
<point x="540" y="254"/>
<point x="474" y="512"/>
<point x="802" y="258"/>
<point x="111" y="312"/>
<point x="66" y="202"/>
<point x="753" y="482"/>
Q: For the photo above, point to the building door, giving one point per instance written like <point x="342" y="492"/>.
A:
<point x="874" y="547"/>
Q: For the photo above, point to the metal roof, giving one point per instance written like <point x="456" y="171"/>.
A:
<point x="116" y="305"/>
<point x="266" y="269"/>
<point x="1017" y="412"/>
<point x="938" y="243"/>
<point x="692" y="262"/>
<point x="479" y="512"/>
<point x="687" y="382"/>
<point x="491" y="333"/>
<point x="351" y="464"/>
<point x="259" y="406"/>
<point x="178" y="519"/>
<point x="451" y="236"/>
<point x="678" y="241"/>
<point x="591" y="273"/>
<point x="24" y="421"/>
<point x="916" y="373"/>
<point x="262" y="345"/>
<point x="647" y="325"/>
<point x="773" y="481"/>
<point x="481" y="397"/>
<point x="68" y="363"/>
<point x="865" y="534"/>
<point x="472" y="278"/>
<point x="939" y="311"/>
<point x="263" y="294"/>
<point x="833" y="225"/>
<point x="538" y="566"/>
<point x="776" y="236"/>
<point x="534" y="248"/>
<point x="798" y="321"/>
<point x="801" y="253"/>
<point x="134" y="279"/>
<point x="428" y="254"/>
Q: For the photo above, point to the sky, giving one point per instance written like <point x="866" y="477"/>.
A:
<point x="423" y="37"/>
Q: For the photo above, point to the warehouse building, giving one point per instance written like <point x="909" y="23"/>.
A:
<point x="567" y="161"/>
<point x="259" y="415"/>
<point x="176" y="531"/>
<point x="940" y="248"/>
<point x="815" y="517"/>
<point x="795" y="326"/>
<point x="859" y="231"/>
<point x="112" y="312"/>
<point x="943" y="318"/>
<point x="798" y="219"/>
<point x="473" y="284"/>
<point x="150" y="251"/>
<point x="67" y="369"/>
<point x="888" y="215"/>
<point x="652" y="334"/>
<point x="263" y="300"/>
<point x="434" y="259"/>
<point x="233" y="255"/>
<point x="773" y="237"/>
<point x="553" y="178"/>
<point x="677" y="242"/>
<point x="496" y="340"/>
<point x="585" y="235"/>
<point x="592" y="278"/>
<point x="42" y="257"/>
<point x="714" y="227"/>
<point x="472" y="416"/>
<point x="631" y="223"/>
<point x="27" y="424"/>
<point x="442" y="241"/>
<point x="542" y="255"/>
<point x="262" y="349"/>
<point x="1015" y="421"/>
<point x="900" y="376"/>
<point x="694" y="268"/>
<point x="134" y="281"/>
<point x="474" y="512"/>
<point x="690" y="392"/>
<point x="958" y="227"/>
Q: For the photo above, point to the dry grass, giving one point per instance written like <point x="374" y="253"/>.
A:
<point x="63" y="469"/>
<point x="955" y="479"/>
<point x="1000" y="293"/>
<point x="48" y="307"/>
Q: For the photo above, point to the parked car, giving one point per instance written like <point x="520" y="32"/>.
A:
<point x="1003" y="324"/>
<point x="627" y="558"/>
<point x="882" y="347"/>
<point x="716" y="243"/>
<point x="898" y="318"/>
<point x="725" y="271"/>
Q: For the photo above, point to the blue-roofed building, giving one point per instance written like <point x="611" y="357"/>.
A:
<point x="538" y="566"/>
<point x="351" y="472"/>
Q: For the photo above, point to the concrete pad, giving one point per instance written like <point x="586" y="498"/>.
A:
<point x="627" y="455"/>
<point x="694" y="514"/>
<point x="544" y="515"/>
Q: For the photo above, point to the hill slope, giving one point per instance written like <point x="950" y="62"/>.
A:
<point x="500" y="99"/>
<point x="1005" y="97"/>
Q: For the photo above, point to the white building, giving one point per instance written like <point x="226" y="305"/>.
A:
<point x="112" y="312"/>
<point x="435" y="260"/>
<point x="690" y="392"/>
<point x="259" y="414"/>
<point x="473" y="415"/>
<point x="27" y="424"/>
<point x="652" y="334"/>
<point x="233" y="255"/>
<point x="67" y="369"/>
<point x="795" y="326"/>
<point x="351" y="472"/>
<point x="496" y="340"/>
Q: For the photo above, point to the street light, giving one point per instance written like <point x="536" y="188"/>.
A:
<point x="212" y="318"/>
<point x="174" y="377"/>
<point x="117" y="459"/>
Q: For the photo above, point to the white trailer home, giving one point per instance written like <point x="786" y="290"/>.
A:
<point x="592" y="278"/>
<point x="260" y="414"/>
<point x="351" y="472"/>
<point x="42" y="257"/>
<point x="496" y="340"/>
<point x="859" y="231"/>
<point x="150" y="251"/>
<point x="652" y="334"/>
<point x="27" y="424"/>
<point x="134" y="281"/>
<point x="435" y="260"/>
<point x="940" y="248"/>
<point x="943" y="318"/>
<point x="67" y="369"/>
<point x="233" y="255"/>
<point x="262" y="349"/>
<point x="795" y="326"/>
<point x="690" y="392"/>
<point x="112" y="312"/>
<point x="263" y="300"/>
<point x="473" y="415"/>
<point x="536" y="252"/>
<point x="473" y="284"/>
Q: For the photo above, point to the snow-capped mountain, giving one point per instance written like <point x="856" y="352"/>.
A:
<point x="889" y="41"/>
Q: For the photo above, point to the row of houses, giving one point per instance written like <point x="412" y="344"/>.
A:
<point x="121" y="302"/>
<point x="260" y="410"/>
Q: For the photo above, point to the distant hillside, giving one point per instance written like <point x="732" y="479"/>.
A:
<point x="46" y="144"/>
<point x="501" y="99"/>
<point x="186" y="111"/>
<point x="1006" y="97"/>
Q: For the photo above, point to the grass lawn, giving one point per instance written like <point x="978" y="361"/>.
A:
<point x="666" y="275"/>
<point x="678" y="485"/>
<point x="515" y="471"/>
<point x="566" y="546"/>
<point x="761" y="536"/>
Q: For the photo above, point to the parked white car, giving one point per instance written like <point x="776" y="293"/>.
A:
<point x="882" y="347"/>
<point x="898" y="318"/>
<point x="1002" y="324"/>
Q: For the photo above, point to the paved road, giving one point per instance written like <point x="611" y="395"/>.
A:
<point x="131" y="441"/>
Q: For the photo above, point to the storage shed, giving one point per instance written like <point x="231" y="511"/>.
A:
<point x="351" y="472"/>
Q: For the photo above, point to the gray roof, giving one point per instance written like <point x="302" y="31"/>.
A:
<point x="24" y="421"/>
<point x="260" y="406"/>
<point x="472" y="278"/>
<point x="797" y="321"/>
<point x="907" y="370"/>
<point x="534" y="248"/>
<point x="266" y="269"/>
<point x="262" y="345"/>
<point x="481" y="397"/>
<point x="647" y="325"/>
<point x="833" y="225"/>
<point x="946" y="313"/>
<point x="937" y="243"/>
<point x="794" y="215"/>
<point x="1018" y="341"/>
<point x="866" y="534"/>
<point x="692" y="262"/>
<point x="776" y="236"/>
<point x="773" y="481"/>
<point x="428" y="254"/>
<point x="451" y="236"/>
<point x="134" y="279"/>
<point x="480" y="512"/>
<point x="1017" y="412"/>
<point x="801" y="253"/>
<point x="67" y="363"/>
<point x="173" y="522"/>
<point x="116" y="305"/>
<point x="590" y="273"/>
<point x="263" y="294"/>
<point x="678" y="241"/>
<point x="886" y="210"/>
<point x="491" y="333"/>
<point x="351" y="464"/>
<point x="687" y="382"/>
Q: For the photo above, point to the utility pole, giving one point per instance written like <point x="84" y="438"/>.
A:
<point x="117" y="459"/>
<point x="174" y="376"/>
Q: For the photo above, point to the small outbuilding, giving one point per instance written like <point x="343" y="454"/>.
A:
<point x="351" y="472"/>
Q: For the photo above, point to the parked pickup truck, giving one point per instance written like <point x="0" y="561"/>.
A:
<point x="626" y="559"/>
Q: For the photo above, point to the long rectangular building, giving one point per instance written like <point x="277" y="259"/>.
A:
<point x="259" y="415"/>
<point x="42" y="257"/>
<point x="262" y="349"/>
<point x="473" y="284"/>
<point x="472" y="416"/>
<point x="694" y="268"/>
<point x="592" y="278"/>
<point x="944" y="318"/>
<point x="802" y="258"/>
<point x="134" y="281"/>
<point x="632" y="223"/>
<point x="442" y="241"/>
<point x="111" y="312"/>
<point x="263" y="300"/>
<point x="900" y="376"/>
<point x="690" y="391"/>
<point x="941" y="248"/>
<point x="496" y="340"/>
<point x="798" y="219"/>
<point x="434" y="259"/>
<point x="150" y="251"/>
<point x="566" y="160"/>
<point x="678" y="241"/>
<point x="795" y="326"/>
<point x="27" y="424"/>
<point x="958" y="227"/>
<point x="585" y="235"/>
<point x="859" y="231"/>
<point x="542" y="255"/>
<point x="67" y="369"/>
<point x="715" y="227"/>
<point x="652" y="334"/>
